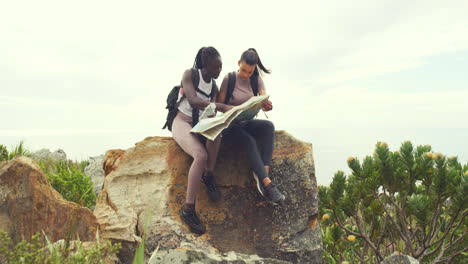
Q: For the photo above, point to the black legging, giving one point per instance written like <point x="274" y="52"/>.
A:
<point x="246" y="134"/>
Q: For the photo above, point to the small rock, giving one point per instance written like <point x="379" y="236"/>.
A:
<point x="399" y="259"/>
<point x="95" y="171"/>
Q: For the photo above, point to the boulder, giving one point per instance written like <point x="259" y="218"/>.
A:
<point x="29" y="204"/>
<point x="45" y="154"/>
<point x="95" y="171"/>
<point x="145" y="187"/>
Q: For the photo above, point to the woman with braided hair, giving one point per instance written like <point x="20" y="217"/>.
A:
<point x="191" y="101"/>
<point x="247" y="82"/>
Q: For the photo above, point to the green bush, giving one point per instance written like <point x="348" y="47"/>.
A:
<point x="3" y="153"/>
<point x="412" y="201"/>
<point x="68" y="179"/>
<point x="39" y="252"/>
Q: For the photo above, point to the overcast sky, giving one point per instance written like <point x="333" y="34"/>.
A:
<point x="88" y="76"/>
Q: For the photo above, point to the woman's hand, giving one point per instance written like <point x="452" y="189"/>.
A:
<point x="228" y="107"/>
<point x="267" y="106"/>
<point x="223" y="107"/>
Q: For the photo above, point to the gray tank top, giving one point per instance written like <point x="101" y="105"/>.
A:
<point x="242" y="90"/>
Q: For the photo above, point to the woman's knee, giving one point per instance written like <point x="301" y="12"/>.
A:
<point x="269" y="126"/>
<point x="200" y="156"/>
<point x="262" y="126"/>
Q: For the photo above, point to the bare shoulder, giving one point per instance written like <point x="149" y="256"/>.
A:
<point x="187" y="74"/>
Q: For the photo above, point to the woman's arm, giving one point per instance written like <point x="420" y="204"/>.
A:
<point x="267" y="105"/>
<point x="221" y="96"/>
<point x="190" y="92"/>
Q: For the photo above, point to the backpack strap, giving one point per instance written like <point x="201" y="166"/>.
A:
<point x="195" y="78"/>
<point x="254" y="84"/>
<point x="214" y="89"/>
<point x="196" y="82"/>
<point x="230" y="86"/>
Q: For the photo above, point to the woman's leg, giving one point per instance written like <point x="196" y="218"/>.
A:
<point x="212" y="148"/>
<point x="192" y="146"/>
<point x="264" y="133"/>
<point x="238" y="135"/>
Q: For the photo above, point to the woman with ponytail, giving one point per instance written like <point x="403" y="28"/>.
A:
<point x="248" y="83"/>
<point x="191" y="101"/>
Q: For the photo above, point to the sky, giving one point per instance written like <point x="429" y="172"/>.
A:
<point x="89" y="76"/>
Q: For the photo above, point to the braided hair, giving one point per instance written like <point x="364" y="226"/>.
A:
<point x="204" y="56"/>
<point x="251" y="57"/>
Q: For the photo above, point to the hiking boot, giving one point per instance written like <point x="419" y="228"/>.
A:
<point x="274" y="194"/>
<point x="213" y="192"/>
<point x="260" y="187"/>
<point x="193" y="222"/>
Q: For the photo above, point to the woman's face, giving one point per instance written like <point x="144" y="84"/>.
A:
<point x="245" y="70"/>
<point x="214" y="68"/>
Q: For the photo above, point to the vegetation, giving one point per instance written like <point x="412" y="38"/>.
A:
<point x="411" y="201"/>
<point x="17" y="151"/>
<point x="69" y="180"/>
<point x="139" y="257"/>
<point x="42" y="251"/>
<point x="3" y="153"/>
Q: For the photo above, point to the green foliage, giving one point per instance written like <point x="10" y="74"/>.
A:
<point x="69" y="180"/>
<point x="139" y="257"/>
<point x="18" y="150"/>
<point x="412" y="201"/>
<point x="40" y="252"/>
<point x="3" y="153"/>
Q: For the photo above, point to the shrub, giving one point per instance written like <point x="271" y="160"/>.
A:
<point x="3" y="153"/>
<point x="412" y="201"/>
<point x="16" y="151"/>
<point x="40" y="252"/>
<point x="68" y="179"/>
<point x="19" y="150"/>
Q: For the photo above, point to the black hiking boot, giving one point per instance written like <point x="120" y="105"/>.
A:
<point x="191" y="219"/>
<point x="213" y="192"/>
<point x="260" y="187"/>
<point x="274" y="194"/>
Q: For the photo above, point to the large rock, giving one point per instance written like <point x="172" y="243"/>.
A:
<point x="29" y="205"/>
<point x="145" y="187"/>
<point x="397" y="258"/>
<point x="95" y="171"/>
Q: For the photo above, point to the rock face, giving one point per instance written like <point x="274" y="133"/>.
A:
<point x="95" y="171"/>
<point x="399" y="259"/>
<point x="45" y="154"/>
<point x="29" y="205"/>
<point x="145" y="187"/>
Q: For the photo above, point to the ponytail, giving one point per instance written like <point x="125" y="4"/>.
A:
<point x="251" y="57"/>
